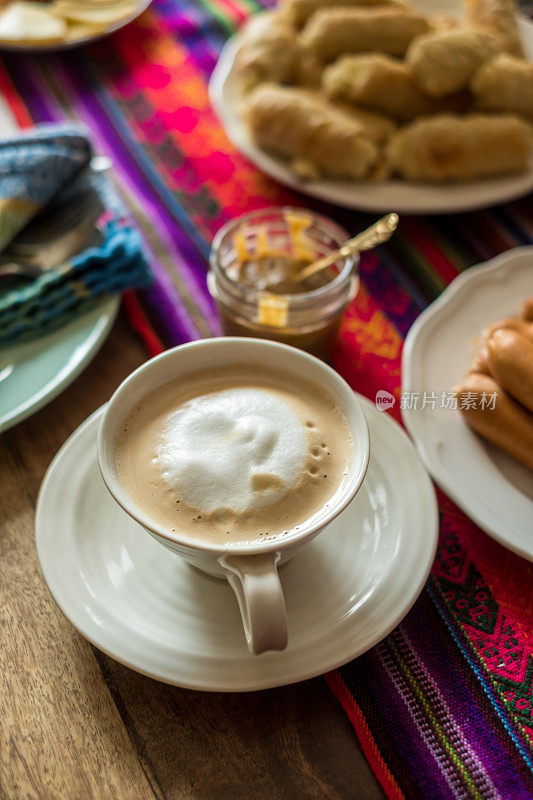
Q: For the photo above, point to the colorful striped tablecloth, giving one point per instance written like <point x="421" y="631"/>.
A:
<point x="443" y="707"/>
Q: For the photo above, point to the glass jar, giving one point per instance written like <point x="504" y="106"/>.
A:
<point x="309" y="320"/>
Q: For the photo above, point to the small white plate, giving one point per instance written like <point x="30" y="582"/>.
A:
<point x="27" y="47"/>
<point x="150" y="610"/>
<point x="33" y="373"/>
<point x="492" y="488"/>
<point x="397" y="195"/>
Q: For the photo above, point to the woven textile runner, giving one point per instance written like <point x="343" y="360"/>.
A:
<point x="443" y="707"/>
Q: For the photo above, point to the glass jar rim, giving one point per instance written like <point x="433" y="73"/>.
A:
<point x="301" y="298"/>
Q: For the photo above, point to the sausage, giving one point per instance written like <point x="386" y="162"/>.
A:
<point x="509" y="426"/>
<point x="527" y="310"/>
<point x="510" y="357"/>
<point x="514" y="324"/>
<point x="480" y="362"/>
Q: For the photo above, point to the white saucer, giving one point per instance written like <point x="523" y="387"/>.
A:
<point x="150" y="610"/>
<point x="492" y="488"/>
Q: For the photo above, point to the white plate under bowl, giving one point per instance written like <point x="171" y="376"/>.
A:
<point x="150" y="610"/>
<point x="393" y="195"/>
<point x="33" y="373"/>
<point x="27" y="47"/>
<point x="492" y="488"/>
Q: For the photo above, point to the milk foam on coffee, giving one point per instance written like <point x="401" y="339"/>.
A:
<point x="237" y="449"/>
<point x="241" y="454"/>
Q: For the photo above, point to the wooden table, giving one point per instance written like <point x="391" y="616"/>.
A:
<point x="77" y="725"/>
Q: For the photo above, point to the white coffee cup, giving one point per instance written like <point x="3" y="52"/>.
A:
<point x="251" y="569"/>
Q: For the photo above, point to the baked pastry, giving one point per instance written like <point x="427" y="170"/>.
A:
<point x="498" y="17"/>
<point x="309" y="70"/>
<point x="367" y="89"/>
<point x="379" y="83"/>
<point x="299" y="11"/>
<point x="376" y="127"/>
<point x="269" y="53"/>
<point x="444" y="61"/>
<point x="505" y="84"/>
<point x="448" y="147"/>
<point x="316" y="138"/>
<point x="332" y="32"/>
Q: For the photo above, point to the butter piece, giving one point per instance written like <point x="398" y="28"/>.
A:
<point x="297" y="225"/>
<point x="273" y="310"/>
<point x="241" y="247"/>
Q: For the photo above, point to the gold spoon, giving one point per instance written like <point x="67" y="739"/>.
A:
<point x="376" y="234"/>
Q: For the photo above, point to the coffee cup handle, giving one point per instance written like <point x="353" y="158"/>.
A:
<point x="255" y="581"/>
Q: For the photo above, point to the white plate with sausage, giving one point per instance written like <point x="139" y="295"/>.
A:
<point x="374" y="196"/>
<point x="493" y="489"/>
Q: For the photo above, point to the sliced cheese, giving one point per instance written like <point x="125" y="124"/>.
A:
<point x="82" y="30"/>
<point x="77" y="12"/>
<point x="30" y="21"/>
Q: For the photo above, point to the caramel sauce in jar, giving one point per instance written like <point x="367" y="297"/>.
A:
<point x="254" y="278"/>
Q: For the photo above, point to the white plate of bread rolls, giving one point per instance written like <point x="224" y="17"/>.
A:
<point x="379" y="105"/>
<point x="476" y="343"/>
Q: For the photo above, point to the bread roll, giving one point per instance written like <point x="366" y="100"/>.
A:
<point x="310" y="133"/>
<point x="379" y="83"/>
<point x="505" y="84"/>
<point x="269" y="53"/>
<point x="498" y="17"/>
<point x="443" y="62"/>
<point x="376" y="127"/>
<point x="336" y="31"/>
<point x="447" y="147"/>
<point x="299" y="11"/>
<point x="309" y="71"/>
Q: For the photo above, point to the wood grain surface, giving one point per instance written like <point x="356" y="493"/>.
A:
<point x="76" y="725"/>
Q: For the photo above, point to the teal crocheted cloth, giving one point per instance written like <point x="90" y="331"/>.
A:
<point x="31" y="309"/>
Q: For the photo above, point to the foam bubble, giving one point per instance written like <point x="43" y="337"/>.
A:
<point x="237" y="449"/>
